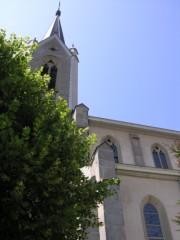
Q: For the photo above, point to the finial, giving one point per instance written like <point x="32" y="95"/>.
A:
<point x="58" y="13"/>
<point x="72" y="45"/>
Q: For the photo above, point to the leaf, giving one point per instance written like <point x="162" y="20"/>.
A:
<point x="5" y="177"/>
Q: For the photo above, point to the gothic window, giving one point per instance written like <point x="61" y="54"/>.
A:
<point x="159" y="157"/>
<point x="115" y="150"/>
<point x="152" y="222"/>
<point x="45" y="69"/>
<point x="51" y="70"/>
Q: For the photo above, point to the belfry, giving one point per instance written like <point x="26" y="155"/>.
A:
<point x="59" y="61"/>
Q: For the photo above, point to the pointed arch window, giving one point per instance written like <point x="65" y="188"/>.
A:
<point x="115" y="150"/>
<point x="152" y="222"/>
<point x="50" y="69"/>
<point x="159" y="157"/>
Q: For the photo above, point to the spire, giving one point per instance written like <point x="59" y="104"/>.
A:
<point x="55" y="28"/>
<point x="58" y="13"/>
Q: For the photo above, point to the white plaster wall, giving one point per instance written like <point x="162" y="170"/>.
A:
<point x="73" y="82"/>
<point x="134" y="189"/>
<point x="123" y="139"/>
<point x="146" y="144"/>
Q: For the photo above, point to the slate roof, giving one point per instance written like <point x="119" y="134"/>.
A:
<point x="55" y="28"/>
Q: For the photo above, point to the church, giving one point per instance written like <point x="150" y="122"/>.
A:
<point x="146" y="200"/>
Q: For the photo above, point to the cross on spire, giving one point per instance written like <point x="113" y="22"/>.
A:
<point x="56" y="28"/>
<point x="58" y="13"/>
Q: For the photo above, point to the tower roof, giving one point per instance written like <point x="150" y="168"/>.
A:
<point x="55" y="28"/>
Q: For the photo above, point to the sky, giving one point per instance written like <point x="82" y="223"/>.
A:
<point x="129" y="52"/>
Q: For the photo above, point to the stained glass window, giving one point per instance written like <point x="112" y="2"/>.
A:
<point x="152" y="221"/>
<point x="159" y="158"/>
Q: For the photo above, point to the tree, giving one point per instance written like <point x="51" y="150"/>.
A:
<point x="176" y="150"/>
<point x="44" y="194"/>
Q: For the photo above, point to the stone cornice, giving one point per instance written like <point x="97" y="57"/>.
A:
<point x="147" y="172"/>
<point x="132" y="127"/>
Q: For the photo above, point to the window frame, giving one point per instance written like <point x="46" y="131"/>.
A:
<point x="160" y="157"/>
<point x="50" y="68"/>
<point x="116" y="148"/>
<point x="151" y="214"/>
<point x="165" y="226"/>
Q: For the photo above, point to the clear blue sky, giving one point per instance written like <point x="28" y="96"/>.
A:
<point x="129" y="53"/>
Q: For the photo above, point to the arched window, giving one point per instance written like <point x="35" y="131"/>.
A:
<point x="115" y="150"/>
<point x="159" y="157"/>
<point x="152" y="222"/>
<point x="51" y="70"/>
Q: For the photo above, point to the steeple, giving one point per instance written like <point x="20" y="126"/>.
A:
<point x="55" y="28"/>
<point x="60" y="62"/>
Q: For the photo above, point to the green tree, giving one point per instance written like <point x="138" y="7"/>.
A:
<point x="44" y="194"/>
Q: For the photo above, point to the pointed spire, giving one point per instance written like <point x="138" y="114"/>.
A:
<point x="56" y="27"/>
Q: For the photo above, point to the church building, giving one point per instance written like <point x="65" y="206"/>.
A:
<point x="146" y="200"/>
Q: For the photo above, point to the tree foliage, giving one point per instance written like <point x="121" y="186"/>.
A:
<point x="176" y="150"/>
<point x="44" y="194"/>
<point x="177" y="218"/>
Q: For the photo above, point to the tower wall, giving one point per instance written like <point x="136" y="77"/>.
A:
<point x="110" y="213"/>
<point x="66" y="62"/>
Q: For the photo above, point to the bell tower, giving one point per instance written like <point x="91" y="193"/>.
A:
<point x="58" y="61"/>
